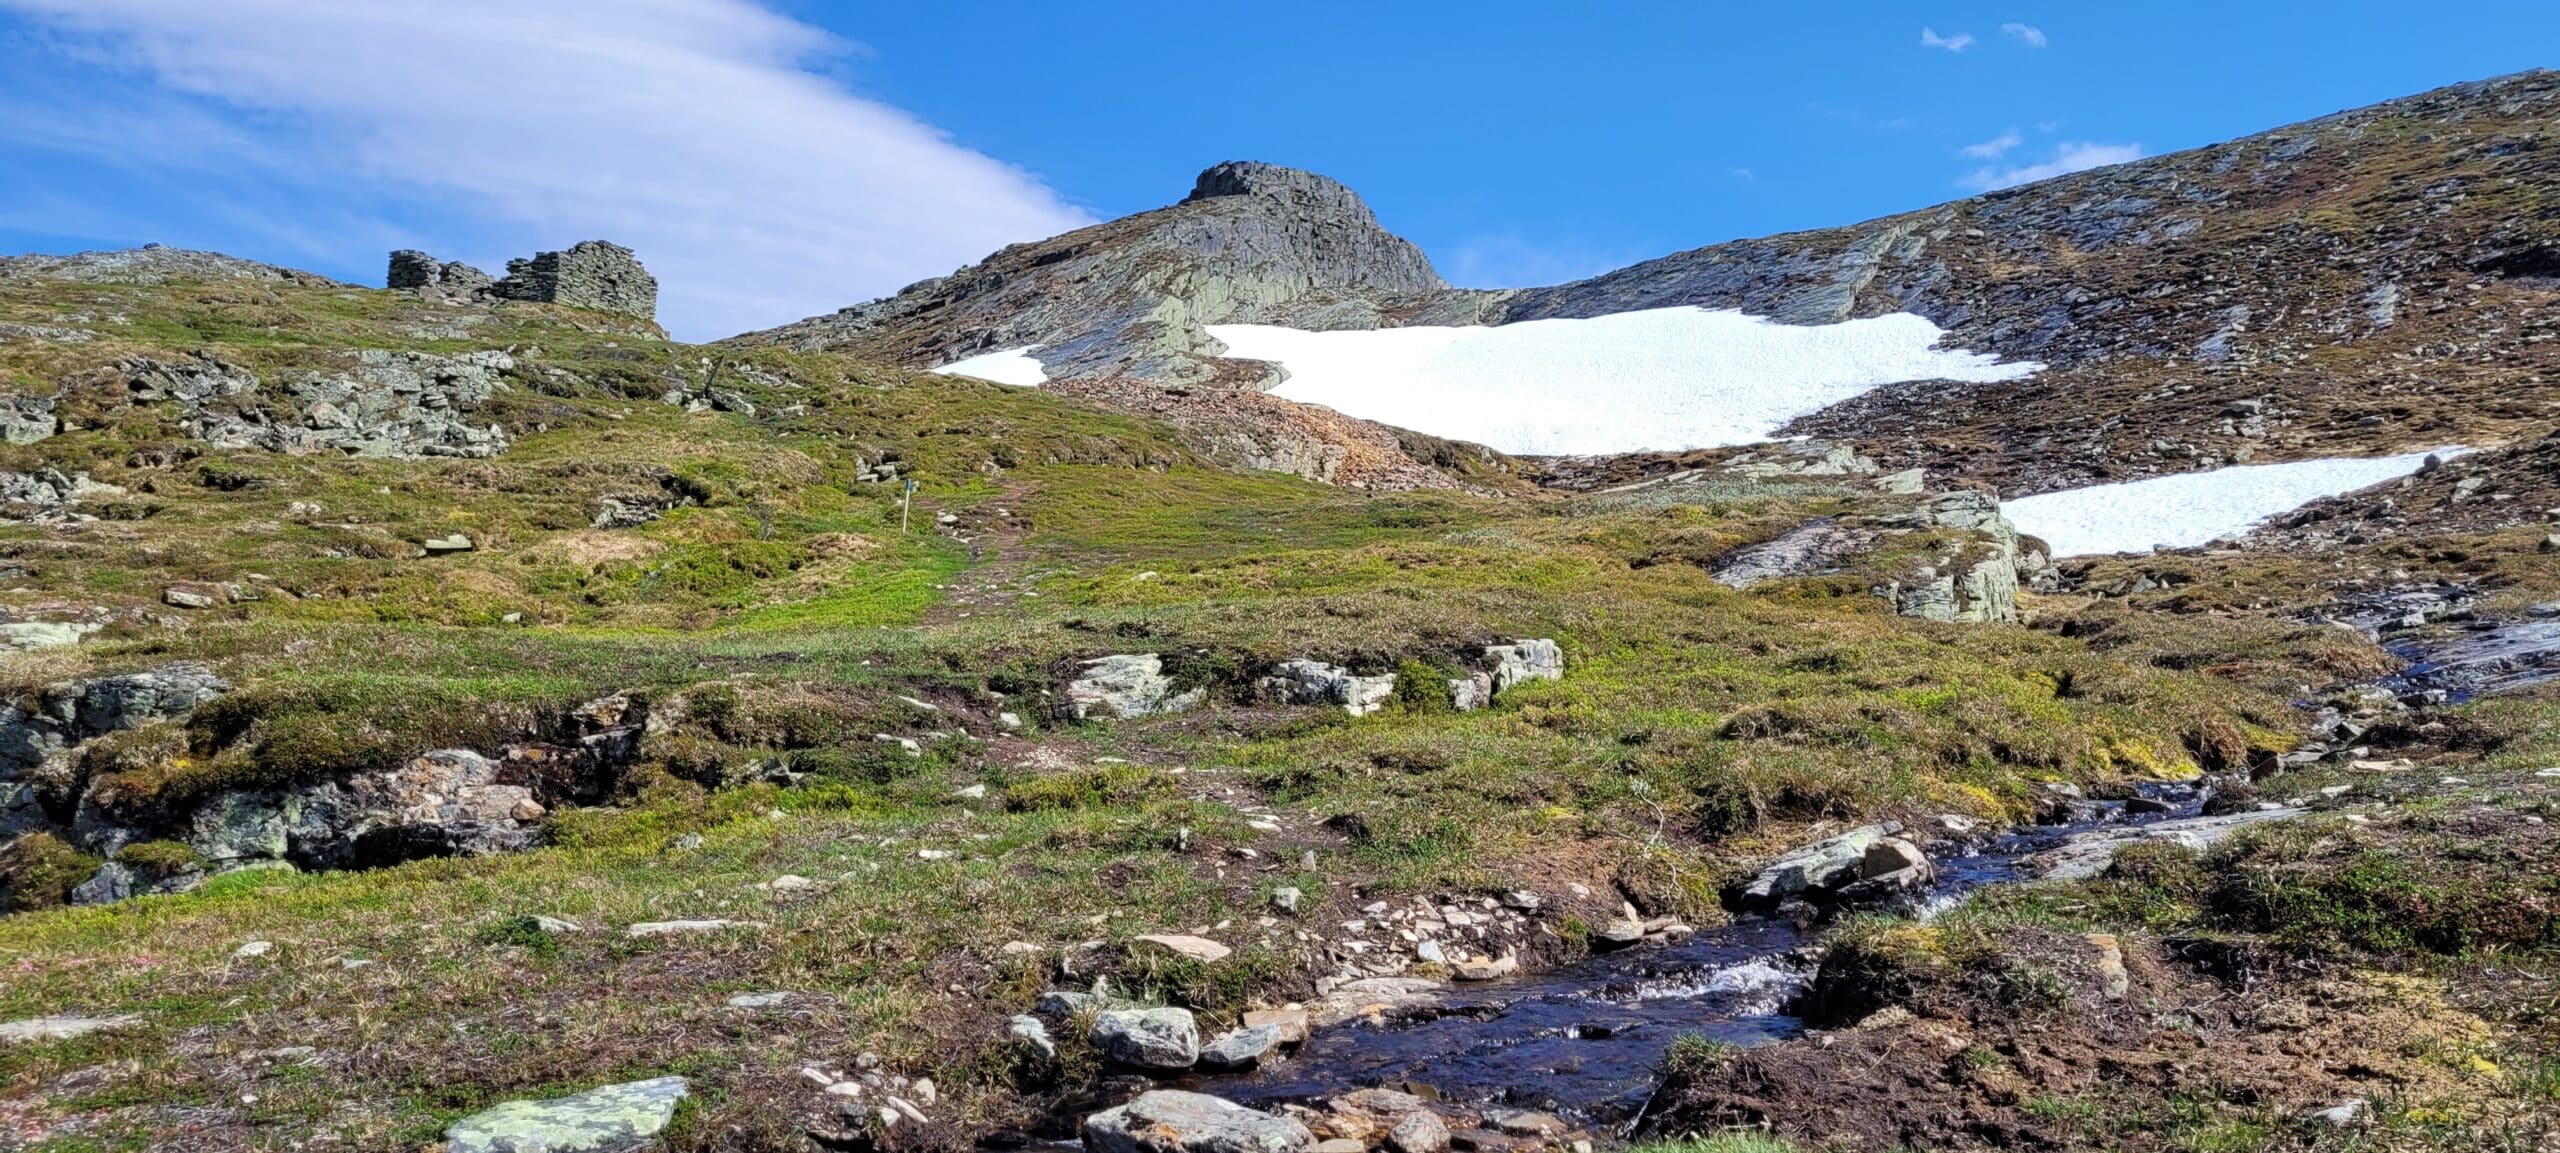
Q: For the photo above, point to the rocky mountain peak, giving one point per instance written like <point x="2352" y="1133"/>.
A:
<point x="1297" y="185"/>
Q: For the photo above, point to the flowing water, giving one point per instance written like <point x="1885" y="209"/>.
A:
<point x="1582" y="1041"/>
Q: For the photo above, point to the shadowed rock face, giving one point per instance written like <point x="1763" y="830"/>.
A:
<point x="1253" y="243"/>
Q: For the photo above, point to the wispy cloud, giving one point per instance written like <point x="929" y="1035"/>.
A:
<point x="1929" y="38"/>
<point x="695" y="131"/>
<point x="1996" y="147"/>
<point x="1744" y="175"/>
<point x="2027" y="34"/>
<point x="2068" y="158"/>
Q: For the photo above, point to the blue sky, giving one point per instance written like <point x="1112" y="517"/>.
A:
<point x="775" y="158"/>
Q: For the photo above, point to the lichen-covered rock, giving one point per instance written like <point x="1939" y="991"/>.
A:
<point x="612" y="1119"/>
<point x="1126" y="685"/>
<point x="1522" y="661"/>
<point x="1171" y="1121"/>
<point x="445" y="803"/>
<point x="64" y="714"/>
<point x="47" y="495"/>
<point x="1165" y="1038"/>
<point x="1306" y="682"/>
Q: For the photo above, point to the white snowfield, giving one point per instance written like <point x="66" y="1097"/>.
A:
<point x="1003" y="366"/>
<point x="2195" y="508"/>
<point x="1662" y="378"/>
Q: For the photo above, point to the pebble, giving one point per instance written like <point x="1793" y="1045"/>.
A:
<point x="253" y="949"/>
<point x="1286" y="899"/>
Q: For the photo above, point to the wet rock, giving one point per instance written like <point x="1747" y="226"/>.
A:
<point x="611" y="1119"/>
<point x="1240" y="1049"/>
<point x="1420" y="1132"/>
<point x="1618" y="932"/>
<point x="1524" y="1122"/>
<point x="1169" y="1121"/>
<point x="1127" y="685"/>
<point x="1165" y="1038"/>
<point x="1375" y="996"/>
<point x="2089" y="854"/>
<point x="1814" y="869"/>
<point x="1480" y="968"/>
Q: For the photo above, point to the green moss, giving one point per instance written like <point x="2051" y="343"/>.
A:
<point x="37" y="871"/>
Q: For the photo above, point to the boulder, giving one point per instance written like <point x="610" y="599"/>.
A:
<point x="1523" y="661"/>
<point x="1420" y="1132"/>
<point x="1148" y="1038"/>
<point x="611" y="1119"/>
<point x="1816" y="868"/>
<point x="1126" y="685"/>
<point x="1240" y="1049"/>
<point x="1170" y="1121"/>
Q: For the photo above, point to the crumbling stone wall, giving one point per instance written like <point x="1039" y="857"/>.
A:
<point x="589" y="274"/>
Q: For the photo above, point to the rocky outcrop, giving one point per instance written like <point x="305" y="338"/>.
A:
<point x="593" y="274"/>
<point x="1976" y="577"/>
<point x="59" y="716"/>
<point x="1126" y="685"/>
<point x="443" y="804"/>
<point x="149" y="264"/>
<point x="1306" y="682"/>
<point x="382" y="403"/>
<point x="47" y="495"/>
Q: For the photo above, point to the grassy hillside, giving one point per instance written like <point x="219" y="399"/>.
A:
<point x="778" y="622"/>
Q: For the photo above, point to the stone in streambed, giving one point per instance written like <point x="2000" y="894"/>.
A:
<point x="1169" y="1121"/>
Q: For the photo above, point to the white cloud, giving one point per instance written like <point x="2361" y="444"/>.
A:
<point x="2027" y="34"/>
<point x="692" y="130"/>
<point x="1929" y="38"/>
<point x="1994" y="148"/>
<point x="1744" y="175"/>
<point x="2067" y="159"/>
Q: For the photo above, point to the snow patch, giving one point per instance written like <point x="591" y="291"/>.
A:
<point x="1003" y="366"/>
<point x="1660" y="378"/>
<point x="2195" y="508"/>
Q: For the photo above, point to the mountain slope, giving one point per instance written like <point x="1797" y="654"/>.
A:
<point x="2375" y="280"/>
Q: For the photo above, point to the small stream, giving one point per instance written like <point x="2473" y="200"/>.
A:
<point x="1583" y="1041"/>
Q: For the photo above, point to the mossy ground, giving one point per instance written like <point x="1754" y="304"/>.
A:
<point x="781" y="612"/>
